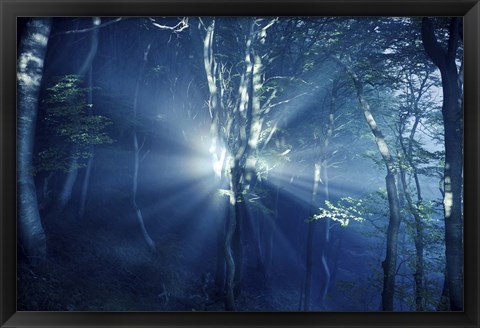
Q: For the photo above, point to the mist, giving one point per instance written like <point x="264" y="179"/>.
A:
<point x="234" y="164"/>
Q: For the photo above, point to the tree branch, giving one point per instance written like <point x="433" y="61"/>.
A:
<point x="431" y="45"/>
<point x="183" y="24"/>
<point x="85" y="30"/>
<point x="454" y="37"/>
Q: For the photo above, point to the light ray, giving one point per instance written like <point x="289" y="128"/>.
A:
<point x="289" y="250"/>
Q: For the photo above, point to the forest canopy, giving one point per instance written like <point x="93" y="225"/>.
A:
<point x="240" y="164"/>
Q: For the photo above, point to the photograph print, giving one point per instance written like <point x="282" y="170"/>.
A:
<point x="240" y="164"/>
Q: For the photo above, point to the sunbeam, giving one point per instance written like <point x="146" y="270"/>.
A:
<point x="207" y="163"/>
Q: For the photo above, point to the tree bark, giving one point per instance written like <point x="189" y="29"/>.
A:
<point x="311" y="231"/>
<point x="269" y="235"/>
<point x="452" y="111"/>
<point x="321" y="176"/>
<point x="228" y="247"/>
<point x="138" y="212"/>
<point x="389" y="265"/>
<point x="252" y="226"/>
<point x="136" y="159"/>
<point x="85" y="186"/>
<point x="32" y="51"/>
<point x="308" y="266"/>
<point x="223" y="264"/>
<point x="238" y="245"/>
<point x="419" y="247"/>
<point x="236" y="123"/>
<point x="220" y="258"/>
<point x="67" y="190"/>
<point x="407" y="150"/>
<point x="444" y="302"/>
<point x="88" y="65"/>
<point x="325" y="224"/>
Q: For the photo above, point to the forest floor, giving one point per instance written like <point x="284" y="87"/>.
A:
<point x="92" y="269"/>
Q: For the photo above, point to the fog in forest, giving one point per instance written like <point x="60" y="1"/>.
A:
<point x="240" y="164"/>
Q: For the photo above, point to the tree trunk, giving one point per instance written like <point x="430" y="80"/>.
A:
<point x="253" y="222"/>
<point x="228" y="245"/>
<point x="72" y="176"/>
<point x="389" y="265"/>
<point x="230" y="262"/>
<point x="336" y="258"/>
<point x="269" y="234"/>
<point x="419" y="234"/>
<point x="418" y="238"/>
<point x="136" y="162"/>
<point x="325" y="224"/>
<point x="88" y="65"/>
<point x="237" y="246"/>
<point x="241" y="125"/>
<point x="31" y="235"/>
<point x="136" y="159"/>
<point x="223" y="263"/>
<point x="321" y="176"/>
<point x="67" y="190"/>
<point x="310" y="235"/>
<point x="324" y="242"/>
<point x="444" y="303"/>
<point x="220" y="258"/>
<point x="85" y="186"/>
<point x="452" y="111"/>
<point x="308" y="266"/>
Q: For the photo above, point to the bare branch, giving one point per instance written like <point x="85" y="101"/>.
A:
<point x="182" y="25"/>
<point x="144" y="156"/>
<point x="85" y="30"/>
<point x="284" y="102"/>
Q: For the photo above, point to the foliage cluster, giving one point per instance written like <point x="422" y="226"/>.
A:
<point x="70" y="127"/>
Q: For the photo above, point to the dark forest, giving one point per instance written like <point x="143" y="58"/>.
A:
<point x="240" y="164"/>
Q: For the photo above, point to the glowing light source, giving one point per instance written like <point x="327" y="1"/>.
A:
<point x="218" y="162"/>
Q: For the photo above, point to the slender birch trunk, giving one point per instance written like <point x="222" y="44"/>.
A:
<point x="33" y="46"/>
<point x="389" y="265"/>
<point x="136" y="159"/>
<point x="88" y="65"/>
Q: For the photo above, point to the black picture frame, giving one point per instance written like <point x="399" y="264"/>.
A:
<point x="11" y="9"/>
